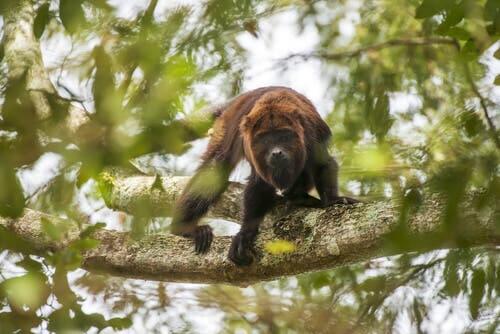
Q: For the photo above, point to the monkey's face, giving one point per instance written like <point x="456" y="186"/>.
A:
<point x="279" y="156"/>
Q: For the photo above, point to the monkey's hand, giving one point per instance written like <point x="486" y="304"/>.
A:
<point x="202" y="235"/>
<point x="305" y="200"/>
<point x="241" y="251"/>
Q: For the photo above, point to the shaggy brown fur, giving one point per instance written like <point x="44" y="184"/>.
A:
<point x="285" y="141"/>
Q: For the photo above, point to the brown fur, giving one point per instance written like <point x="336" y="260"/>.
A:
<point x="234" y="125"/>
<point x="285" y="141"/>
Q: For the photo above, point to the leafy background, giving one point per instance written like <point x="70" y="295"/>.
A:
<point x="409" y="88"/>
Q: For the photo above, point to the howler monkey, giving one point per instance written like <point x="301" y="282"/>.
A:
<point x="285" y="141"/>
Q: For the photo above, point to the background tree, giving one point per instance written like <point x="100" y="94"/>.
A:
<point x="413" y="101"/>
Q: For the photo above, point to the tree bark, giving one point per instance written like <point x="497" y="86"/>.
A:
<point x="23" y="57"/>
<point x="321" y="238"/>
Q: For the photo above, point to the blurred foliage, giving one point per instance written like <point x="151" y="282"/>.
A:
<point x="415" y="110"/>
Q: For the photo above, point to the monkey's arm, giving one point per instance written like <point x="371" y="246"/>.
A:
<point x="204" y="189"/>
<point x="325" y="176"/>
<point x="259" y="198"/>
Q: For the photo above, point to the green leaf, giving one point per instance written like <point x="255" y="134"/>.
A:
<point x="88" y="231"/>
<point x="451" y="287"/>
<point x="52" y="231"/>
<point x="41" y="20"/>
<point x="497" y="80"/>
<point x="428" y="8"/>
<point x="85" y="244"/>
<point x="320" y="280"/>
<point x="497" y="54"/>
<point x="29" y="264"/>
<point x="491" y="10"/>
<point x="453" y="16"/>
<point x="469" y="51"/>
<point x="120" y="323"/>
<point x="455" y="32"/>
<point x="471" y="122"/>
<point x="26" y="293"/>
<point x="374" y="284"/>
<point x="477" y="292"/>
<point x="11" y="193"/>
<point x="2" y="51"/>
<point x="71" y="15"/>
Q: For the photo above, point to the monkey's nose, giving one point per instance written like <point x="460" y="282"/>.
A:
<point x="278" y="157"/>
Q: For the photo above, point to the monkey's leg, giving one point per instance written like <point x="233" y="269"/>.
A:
<point x="204" y="189"/>
<point x="259" y="198"/>
<point x="326" y="182"/>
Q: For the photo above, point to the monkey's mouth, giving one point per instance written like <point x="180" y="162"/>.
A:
<point x="282" y="178"/>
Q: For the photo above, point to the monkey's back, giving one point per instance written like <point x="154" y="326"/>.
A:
<point x="226" y="141"/>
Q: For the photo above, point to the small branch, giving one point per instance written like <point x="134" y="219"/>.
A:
<point x="409" y="42"/>
<point x="373" y="47"/>
<point x="482" y="101"/>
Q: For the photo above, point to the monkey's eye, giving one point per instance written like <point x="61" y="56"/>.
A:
<point x="276" y="135"/>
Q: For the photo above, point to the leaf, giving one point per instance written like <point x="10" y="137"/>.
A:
<point x="471" y="122"/>
<point x="451" y="287"/>
<point x="497" y="80"/>
<point x="374" y="284"/>
<point x="2" y="50"/>
<point x="469" y="51"/>
<point x="455" y="32"/>
<point x="453" y="16"/>
<point x="51" y="230"/>
<point x="157" y="184"/>
<point x="428" y="8"/>
<point x="320" y="280"/>
<point x="41" y="20"/>
<point x="477" y="292"/>
<point x="491" y="10"/>
<point x="380" y="119"/>
<point x="29" y="264"/>
<point x="88" y="231"/>
<point x="120" y="323"/>
<point x="102" y="4"/>
<point x="279" y="247"/>
<point x="85" y="244"/>
<point x="26" y="293"/>
<point x="71" y="15"/>
<point x="497" y="54"/>
<point x="11" y="193"/>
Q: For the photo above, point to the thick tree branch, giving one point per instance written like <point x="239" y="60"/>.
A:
<point x="23" y="56"/>
<point x="323" y="238"/>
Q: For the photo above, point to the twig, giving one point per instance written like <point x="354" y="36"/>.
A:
<point x="482" y="102"/>
<point x="373" y="47"/>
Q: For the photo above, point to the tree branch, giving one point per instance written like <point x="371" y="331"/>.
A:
<point x="373" y="47"/>
<point x="482" y="101"/>
<point x="323" y="238"/>
<point x="23" y="56"/>
<point x="409" y="42"/>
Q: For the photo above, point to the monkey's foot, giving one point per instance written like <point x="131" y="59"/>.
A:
<point x="202" y="235"/>
<point x="241" y="251"/>
<point x="344" y="200"/>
